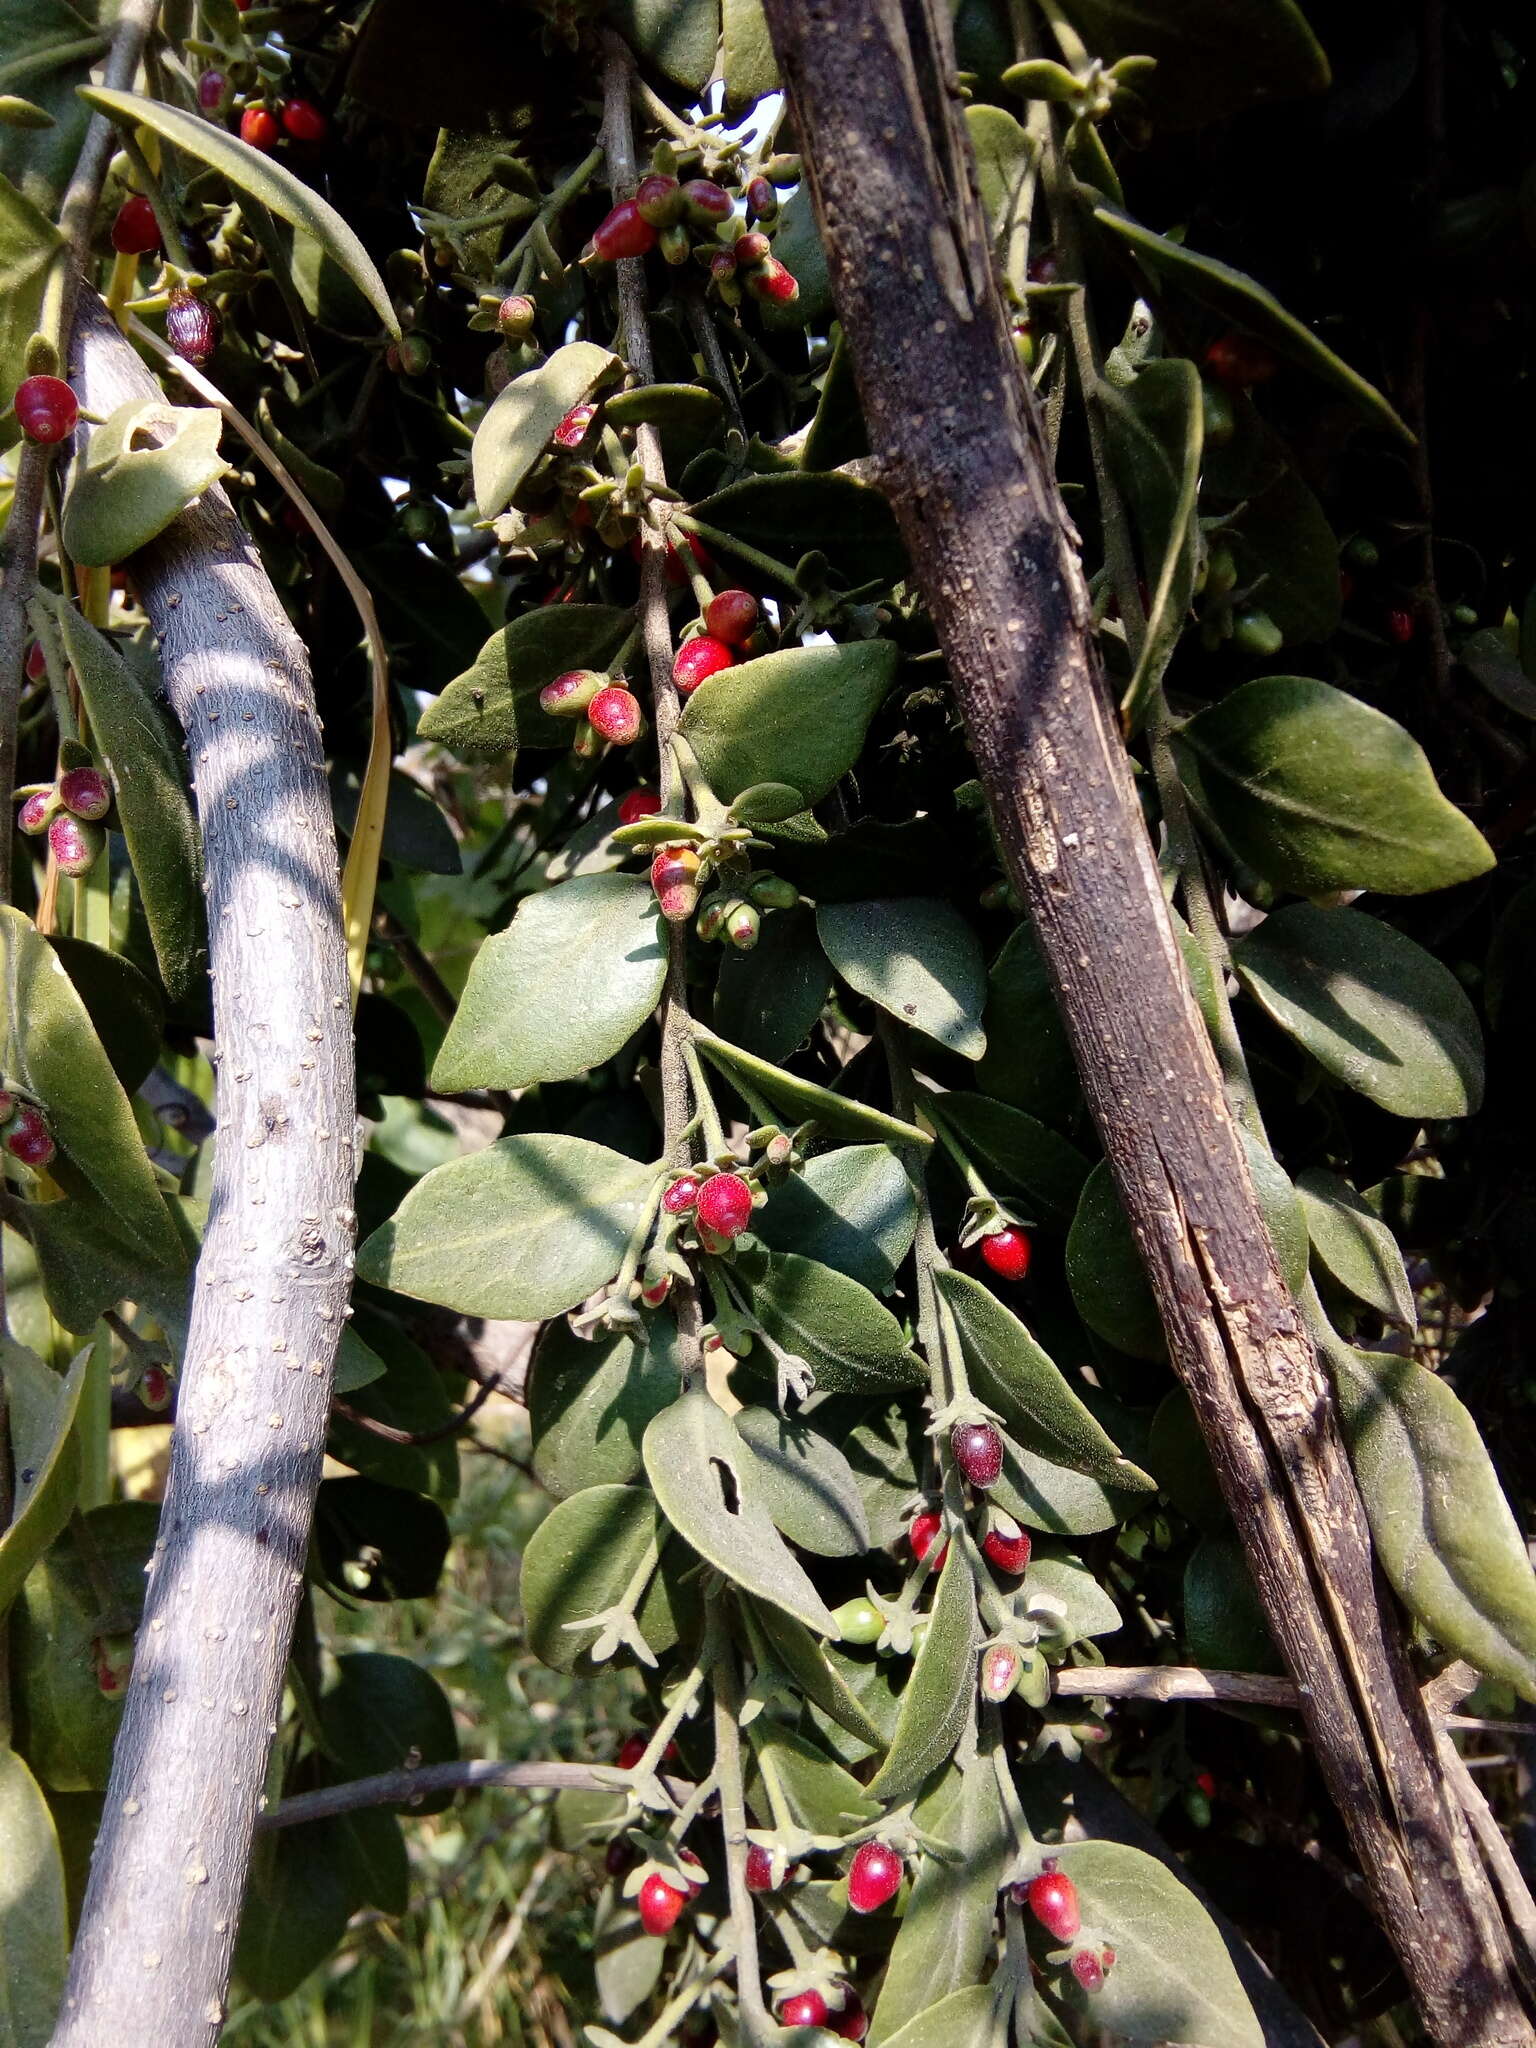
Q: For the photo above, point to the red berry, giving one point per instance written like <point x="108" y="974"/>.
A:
<point x="659" y="200"/>
<point x="571" y="692"/>
<point x="619" y="1857"/>
<point x="731" y="616"/>
<point x="75" y="843"/>
<point x="258" y="127"/>
<point x="1088" y="1970"/>
<point x="1000" y="1668"/>
<point x="874" y="1877"/>
<point x="706" y="202"/>
<point x="304" y="121"/>
<point x="624" y="232"/>
<point x="852" y="2023"/>
<point x="1006" y="1545"/>
<point x="1400" y="625"/>
<point x="191" y="326"/>
<point x="1237" y="361"/>
<point x="978" y="1451"/>
<point x="1107" y="1958"/>
<point x="681" y="1195"/>
<point x="36" y="663"/>
<point x="211" y="88"/>
<point x="616" y="715"/>
<point x="660" y="1904"/>
<point x="751" y="248"/>
<point x="35" y="812"/>
<point x="654" y="1292"/>
<point x="722" y="266"/>
<point x="1053" y="1901"/>
<point x="46" y="409"/>
<point x="762" y="200"/>
<point x="638" y="804"/>
<point x="698" y="659"/>
<point x="675" y="878"/>
<point x="515" y="317"/>
<point x="689" y="1861"/>
<point x="1007" y="1252"/>
<point x="759" y="1869"/>
<point x="135" y="231"/>
<point x="920" y="1534"/>
<point x="724" y="1205"/>
<point x="631" y="1749"/>
<point x="771" y="281"/>
<point x="1206" y="1783"/>
<point x="805" y="2009"/>
<point x="572" y="430"/>
<point x="28" y="1139"/>
<point x="155" y="1388"/>
<point x="86" y="792"/>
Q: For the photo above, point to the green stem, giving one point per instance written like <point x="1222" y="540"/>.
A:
<point x="554" y="205"/>
<point x="704" y="1102"/>
<point x="931" y="1118"/>
<point x="713" y="537"/>
<point x="733" y="1820"/>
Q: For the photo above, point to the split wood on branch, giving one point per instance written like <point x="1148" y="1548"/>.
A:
<point x="955" y="427"/>
<point x="152" y="1957"/>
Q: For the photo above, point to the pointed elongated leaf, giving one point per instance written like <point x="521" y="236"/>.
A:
<point x="851" y="1342"/>
<point x="1319" y="792"/>
<point x="250" y="170"/>
<point x="1243" y="299"/>
<point x="34" y="1924"/>
<point x="808" y="1664"/>
<point x="154" y="804"/>
<point x="1028" y="1064"/>
<point x="1088" y="1609"/>
<point x="579" y="1562"/>
<point x="523" y="1230"/>
<point x="1353" y="1246"/>
<point x="1055" y="1498"/>
<point x="918" y="959"/>
<point x="589" y="1403"/>
<point x="1439" y="1520"/>
<point x="517" y="429"/>
<point x="853" y="1209"/>
<point x="941" y="1690"/>
<point x="28" y="238"/>
<point x="1173" y="1979"/>
<point x="44" y="1457"/>
<point x="125" y="1008"/>
<point x="1009" y="1371"/>
<point x="962" y="2016"/>
<point x="494" y="706"/>
<point x="798" y="716"/>
<point x="807" y="1484"/>
<point x="573" y="977"/>
<point x="707" y="1481"/>
<point x="799" y="1101"/>
<point x="47" y="1044"/>
<point x="1374" y="1009"/>
<point x="821" y="1796"/>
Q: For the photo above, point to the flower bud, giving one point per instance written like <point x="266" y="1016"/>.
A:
<point x="742" y="925"/>
<point x="659" y="200"/>
<point x="75" y="843"/>
<point x="773" y="892"/>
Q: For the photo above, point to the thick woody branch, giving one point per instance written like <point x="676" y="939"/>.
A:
<point x="152" y="1958"/>
<point x="962" y="453"/>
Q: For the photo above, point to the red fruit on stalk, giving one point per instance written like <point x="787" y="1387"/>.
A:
<point x="852" y="2023"/>
<point x="258" y="127"/>
<point x="706" y="203"/>
<point x="681" y="1195"/>
<point x="805" y="2009"/>
<point x="46" y="409"/>
<point x="515" y="317"/>
<point x="631" y="1749"/>
<point x="1007" y="1252"/>
<point x="724" y="1205"/>
<point x="759" y="1868"/>
<point x="731" y="616"/>
<point x="637" y="804"/>
<point x="28" y="1139"/>
<point x="86" y="792"/>
<point x="1088" y="1970"/>
<point x="623" y="232"/>
<point x="155" y="1388"/>
<point x="751" y="248"/>
<point x="75" y="843"/>
<point x="1401" y="625"/>
<point x="771" y="281"/>
<point x="618" y="1857"/>
<point x="660" y="1904"/>
<point x="978" y="1451"/>
<point x="690" y="1863"/>
<point x="874" y="1877"/>
<point x="572" y="430"/>
<point x="1053" y="1901"/>
<point x="35" y="812"/>
<point x="762" y="200"/>
<point x="698" y="659"/>
<point x="616" y="715"/>
<point x="1006" y="1545"/>
<point x="921" y="1531"/>
<point x="659" y="200"/>
<point x="211" y="88"/>
<point x="570" y="693"/>
<point x="135" y="232"/>
<point x="36" y="663"/>
<point x="191" y="327"/>
<point x="1000" y="1668"/>
<point x="303" y="120"/>
<point x="675" y="878"/>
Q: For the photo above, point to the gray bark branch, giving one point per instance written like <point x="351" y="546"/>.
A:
<point x="956" y="429"/>
<point x="152" y="1958"/>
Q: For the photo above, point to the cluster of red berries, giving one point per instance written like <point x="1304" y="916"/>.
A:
<point x="1052" y="1899"/>
<point x="720" y="1205"/>
<point x="300" y="120"/>
<point x="667" y="214"/>
<point x="605" y="709"/>
<point x="730" y="620"/>
<point x="24" y="1131"/>
<point x="69" y="811"/>
<point x="1003" y="1542"/>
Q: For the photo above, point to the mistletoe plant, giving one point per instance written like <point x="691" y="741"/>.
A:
<point x="517" y="394"/>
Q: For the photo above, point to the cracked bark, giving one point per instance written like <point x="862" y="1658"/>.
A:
<point x="152" y="1957"/>
<point x="963" y="460"/>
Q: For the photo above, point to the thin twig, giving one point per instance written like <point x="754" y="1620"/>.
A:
<point x="392" y="1435"/>
<point x="397" y="1788"/>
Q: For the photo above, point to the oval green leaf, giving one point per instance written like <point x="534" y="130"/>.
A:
<point x="918" y="958"/>
<point x="1353" y="1246"/>
<point x="767" y="1000"/>
<point x="807" y="1663"/>
<point x="851" y="1342"/>
<point x="516" y="430"/>
<point x="798" y="716"/>
<point x="589" y="1403"/>
<point x="939" y="1694"/>
<point x="851" y="523"/>
<point x="807" y="1484"/>
<point x="41" y="1407"/>
<point x="853" y="1209"/>
<point x="1018" y="1157"/>
<point x="494" y="706"/>
<point x="34" y="1924"/>
<point x="579" y="1563"/>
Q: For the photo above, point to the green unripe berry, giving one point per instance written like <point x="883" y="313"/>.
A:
<point x="1256" y="632"/>
<point x="859" y="1621"/>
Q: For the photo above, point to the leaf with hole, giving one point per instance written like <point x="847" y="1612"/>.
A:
<point x="1011" y="1373"/>
<point x="798" y="716"/>
<point x="141" y="469"/>
<point x="709" y="1485"/>
<point x="918" y="959"/>
<point x="523" y="1230"/>
<point x="1374" y="1009"/>
<point x="252" y="171"/>
<point x="516" y="430"/>
<point x="147" y="766"/>
<point x="563" y="988"/>
<point x="1319" y="792"/>
<point x="937" y="1702"/>
<point x="850" y="1340"/>
<point x="1439" y="1520"/>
